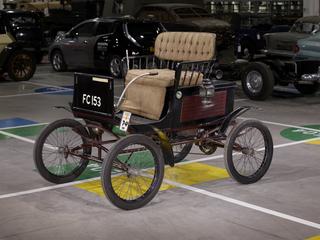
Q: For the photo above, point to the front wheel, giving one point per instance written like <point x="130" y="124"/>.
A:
<point x="21" y="66"/>
<point x="248" y="151"/>
<point x="180" y="151"/>
<point x="257" y="81"/>
<point x="59" y="152"/>
<point x="57" y="61"/>
<point x="115" y="66"/>
<point x="132" y="172"/>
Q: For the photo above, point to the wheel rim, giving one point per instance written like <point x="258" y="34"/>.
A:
<point x="250" y="145"/>
<point x="254" y="81"/>
<point x="115" y="67"/>
<point x="57" y="61"/>
<point x="135" y="170"/>
<point x="57" y="149"/>
<point x="22" y="66"/>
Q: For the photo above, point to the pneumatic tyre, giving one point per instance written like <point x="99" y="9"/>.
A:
<point x="132" y="172"/>
<point x="114" y="66"/>
<point x="257" y="81"/>
<point x="181" y="151"/>
<point x="57" y="61"/>
<point x="21" y="66"/>
<point x="248" y="151"/>
<point x="54" y="147"/>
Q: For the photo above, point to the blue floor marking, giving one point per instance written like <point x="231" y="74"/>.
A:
<point x="56" y="90"/>
<point x="13" y="122"/>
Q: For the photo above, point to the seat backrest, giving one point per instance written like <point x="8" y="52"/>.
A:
<point x="185" y="46"/>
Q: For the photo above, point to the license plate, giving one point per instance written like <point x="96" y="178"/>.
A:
<point x="125" y="120"/>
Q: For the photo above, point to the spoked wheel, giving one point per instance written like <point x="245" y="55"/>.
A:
<point x="248" y="152"/>
<point x="181" y="151"/>
<point x="133" y="171"/>
<point x="115" y="66"/>
<point x="54" y="149"/>
<point x="21" y="66"/>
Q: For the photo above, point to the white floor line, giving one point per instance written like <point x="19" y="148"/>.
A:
<point x="17" y="137"/>
<point x="22" y="126"/>
<point x="241" y="100"/>
<point x="37" y="93"/>
<point x="285" y="125"/>
<point x="36" y="190"/>
<point x="47" y="85"/>
<point x="245" y="204"/>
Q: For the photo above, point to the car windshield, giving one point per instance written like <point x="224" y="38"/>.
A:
<point x="142" y="31"/>
<point x="22" y="20"/>
<point x="305" y="27"/>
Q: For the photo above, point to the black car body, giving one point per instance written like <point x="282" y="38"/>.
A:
<point x="249" y="38"/>
<point x="25" y="28"/>
<point x="101" y="43"/>
<point x="187" y="17"/>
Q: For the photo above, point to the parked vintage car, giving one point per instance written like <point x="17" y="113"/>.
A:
<point x="249" y="38"/>
<point x="25" y="28"/>
<point x="284" y="43"/>
<point x="308" y="48"/>
<point x="101" y="43"/>
<point x="187" y="17"/>
<point x="16" y="60"/>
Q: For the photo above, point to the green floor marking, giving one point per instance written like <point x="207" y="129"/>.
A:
<point x="298" y="134"/>
<point x="28" y="131"/>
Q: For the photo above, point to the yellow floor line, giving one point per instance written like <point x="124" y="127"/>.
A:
<point x="189" y="174"/>
<point x="314" y="238"/>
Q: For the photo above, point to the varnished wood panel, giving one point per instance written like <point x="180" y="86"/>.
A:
<point x="194" y="109"/>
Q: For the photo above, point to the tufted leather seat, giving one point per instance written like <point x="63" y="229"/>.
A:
<point x="146" y="96"/>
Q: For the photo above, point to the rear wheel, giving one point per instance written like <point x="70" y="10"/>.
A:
<point x="21" y="66"/>
<point x="57" y="61"/>
<point x="114" y="66"/>
<point x="54" y="147"/>
<point x="257" y="81"/>
<point x="248" y="151"/>
<point x="181" y="151"/>
<point x="132" y="172"/>
<point x="307" y="88"/>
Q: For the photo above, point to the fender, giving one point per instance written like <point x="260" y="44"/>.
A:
<point x="165" y="146"/>
<point x="233" y="115"/>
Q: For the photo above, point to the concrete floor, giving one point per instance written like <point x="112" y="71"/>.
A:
<point x="283" y="205"/>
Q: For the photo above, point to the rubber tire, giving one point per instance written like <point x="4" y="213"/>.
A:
<point x="63" y="66"/>
<point x="184" y="152"/>
<point x="38" y="147"/>
<point x="10" y="63"/>
<point x="307" y="89"/>
<point x="267" y="78"/>
<point x="110" y="58"/>
<point x="107" y="168"/>
<point x="228" y="151"/>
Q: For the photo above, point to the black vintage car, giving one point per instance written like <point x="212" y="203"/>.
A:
<point x="25" y="28"/>
<point x="101" y="43"/>
<point x="18" y="44"/>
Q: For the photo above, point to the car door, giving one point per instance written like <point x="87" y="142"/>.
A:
<point x="78" y="49"/>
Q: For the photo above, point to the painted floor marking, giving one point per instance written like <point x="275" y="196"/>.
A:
<point x="15" y="122"/>
<point x="285" y="125"/>
<point x="314" y="238"/>
<point x="189" y="174"/>
<point x="37" y="93"/>
<point x="22" y="126"/>
<point x="47" y="85"/>
<point x="246" y="205"/>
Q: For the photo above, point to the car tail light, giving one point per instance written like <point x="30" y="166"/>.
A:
<point x="296" y="48"/>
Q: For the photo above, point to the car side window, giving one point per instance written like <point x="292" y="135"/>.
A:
<point x="105" y="28"/>
<point x="84" y="30"/>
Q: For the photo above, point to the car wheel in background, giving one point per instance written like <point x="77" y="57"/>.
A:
<point x="307" y="88"/>
<point x="57" y="61"/>
<point x="21" y="66"/>
<point x="247" y="50"/>
<point x="114" y="66"/>
<point x="257" y="81"/>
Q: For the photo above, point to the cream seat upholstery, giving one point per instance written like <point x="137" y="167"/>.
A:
<point x="146" y="96"/>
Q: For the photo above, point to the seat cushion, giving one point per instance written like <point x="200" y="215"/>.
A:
<point x="146" y="96"/>
<point x="185" y="46"/>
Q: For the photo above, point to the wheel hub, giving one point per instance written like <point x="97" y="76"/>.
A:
<point x="254" y="81"/>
